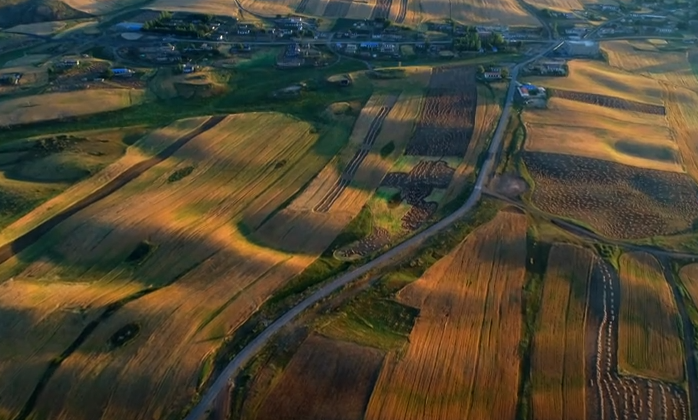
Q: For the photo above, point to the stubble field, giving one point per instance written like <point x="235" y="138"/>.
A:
<point x="649" y="336"/>
<point x="462" y="360"/>
<point x="615" y="200"/>
<point x="557" y="363"/>
<point x="165" y="235"/>
<point x="326" y="380"/>
<point x="579" y="129"/>
<point x="56" y="106"/>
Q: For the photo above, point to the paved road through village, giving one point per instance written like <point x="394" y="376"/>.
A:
<point x="206" y="402"/>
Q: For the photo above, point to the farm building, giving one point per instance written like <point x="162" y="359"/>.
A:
<point x="582" y="48"/>
<point x="492" y="75"/>
<point x="122" y="72"/>
<point x="129" y="26"/>
<point x="10" y="79"/>
<point x="350" y="49"/>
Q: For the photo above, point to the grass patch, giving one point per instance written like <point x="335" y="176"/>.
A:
<point x="123" y="335"/>
<point x="372" y="318"/>
<point x="142" y="251"/>
<point x="180" y="173"/>
<point x="387" y="150"/>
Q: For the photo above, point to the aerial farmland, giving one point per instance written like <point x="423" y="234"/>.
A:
<point x="346" y="210"/>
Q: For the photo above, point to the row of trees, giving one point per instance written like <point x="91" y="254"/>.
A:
<point x="164" y="24"/>
<point x="472" y="41"/>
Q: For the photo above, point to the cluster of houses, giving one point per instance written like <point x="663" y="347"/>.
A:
<point x="11" y="79"/>
<point x="161" y="53"/>
<point x="369" y="49"/>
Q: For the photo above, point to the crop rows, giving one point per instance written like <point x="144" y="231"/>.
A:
<point x="337" y="8"/>
<point x="616" y="200"/>
<point x="381" y="10"/>
<point x="447" y="119"/>
<point x="416" y="186"/>
<point x="402" y="12"/>
<point x="612" y="395"/>
<point x="302" y="6"/>
<point x="609" y="101"/>
<point x="343" y="182"/>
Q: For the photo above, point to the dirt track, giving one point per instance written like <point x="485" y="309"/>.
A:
<point x="344" y="180"/>
<point x="610" y="394"/>
<point x="11" y="249"/>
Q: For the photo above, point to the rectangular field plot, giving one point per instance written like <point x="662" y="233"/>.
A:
<point x="609" y="102"/>
<point x="580" y="129"/>
<point x="557" y="365"/>
<point x="601" y="79"/>
<point x="492" y="12"/>
<point x="649" y="342"/>
<point x="447" y="120"/>
<point x="326" y="380"/>
<point x="613" y="199"/>
<point x="462" y="361"/>
<point x="171" y="234"/>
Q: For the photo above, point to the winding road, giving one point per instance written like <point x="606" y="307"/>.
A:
<point x="221" y="383"/>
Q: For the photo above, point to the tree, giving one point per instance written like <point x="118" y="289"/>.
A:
<point x="505" y="72"/>
<point x="108" y="73"/>
<point x="480" y="70"/>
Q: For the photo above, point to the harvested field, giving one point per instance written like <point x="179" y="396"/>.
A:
<point x="382" y="10"/>
<point x="31" y="77"/>
<point x="326" y="380"/>
<point x="509" y="12"/>
<point x="446" y="123"/>
<point x="337" y="8"/>
<point x="27" y="60"/>
<point x="101" y="7"/>
<point x="649" y="336"/>
<point x="56" y="106"/>
<point x="38" y="29"/>
<point x="616" y="200"/>
<point x="189" y="228"/>
<point x="361" y="9"/>
<point x="609" y="102"/>
<point x="561" y="5"/>
<point x="689" y="279"/>
<point x="416" y="185"/>
<point x="557" y="362"/>
<point x="579" y="129"/>
<point x="669" y="67"/>
<point x="462" y="361"/>
<point x="215" y="7"/>
<point x="141" y="150"/>
<point x="348" y="174"/>
<point x="611" y="393"/>
<point x="599" y="78"/>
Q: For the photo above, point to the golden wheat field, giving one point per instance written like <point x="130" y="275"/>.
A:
<point x="188" y="225"/>
<point x="101" y="7"/>
<point x="55" y="106"/>
<point x="557" y="362"/>
<point x="601" y="79"/>
<point x="462" y="361"/>
<point x="490" y="12"/>
<point x="562" y="5"/>
<point x="38" y="29"/>
<point x="302" y="215"/>
<point x="649" y="342"/>
<point x="689" y="279"/>
<point x="580" y="129"/>
<point x="221" y="8"/>
<point x="326" y="380"/>
<point x="141" y="150"/>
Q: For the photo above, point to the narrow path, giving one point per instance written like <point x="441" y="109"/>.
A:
<point x="221" y="383"/>
<point x="21" y="243"/>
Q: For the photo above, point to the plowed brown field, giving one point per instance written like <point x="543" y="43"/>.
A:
<point x="462" y="361"/>
<point x="197" y="281"/>
<point x="557" y="364"/>
<point x="649" y="341"/>
<point x="326" y="380"/>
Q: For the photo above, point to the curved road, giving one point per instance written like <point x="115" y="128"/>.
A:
<point x="206" y="402"/>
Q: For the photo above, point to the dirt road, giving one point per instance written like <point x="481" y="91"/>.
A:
<point x="202" y="408"/>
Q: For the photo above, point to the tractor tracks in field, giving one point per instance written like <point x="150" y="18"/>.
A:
<point x="344" y="180"/>
<point x="402" y="12"/>
<point x="613" y="395"/>
<point x="27" y="239"/>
